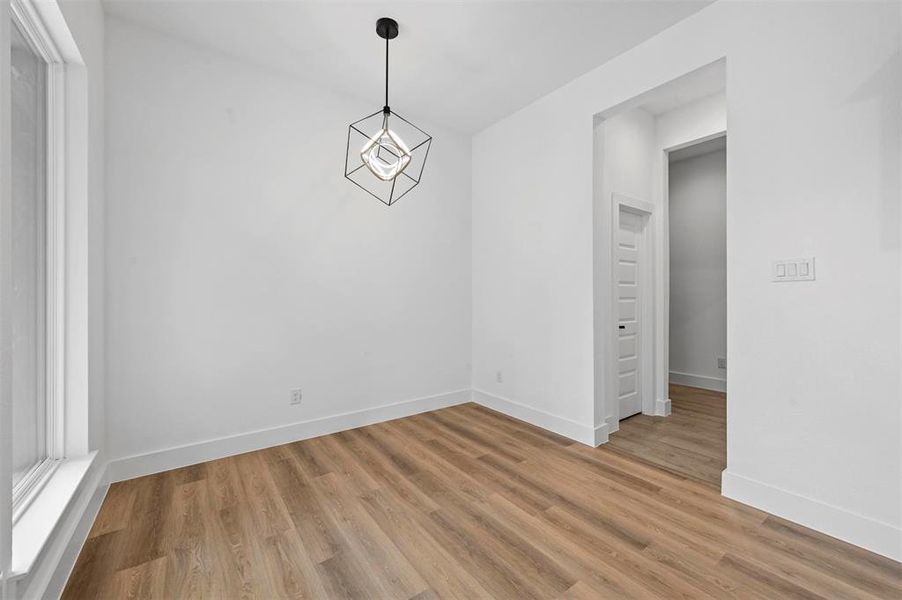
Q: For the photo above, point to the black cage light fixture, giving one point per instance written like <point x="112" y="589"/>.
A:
<point x="386" y="153"/>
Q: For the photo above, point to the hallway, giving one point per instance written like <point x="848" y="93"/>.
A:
<point x="691" y="442"/>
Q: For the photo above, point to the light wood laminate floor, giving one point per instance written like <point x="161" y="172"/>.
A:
<point x="691" y="442"/>
<point x="456" y="503"/>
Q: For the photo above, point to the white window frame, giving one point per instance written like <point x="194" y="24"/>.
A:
<point x="23" y="15"/>
<point x="41" y="512"/>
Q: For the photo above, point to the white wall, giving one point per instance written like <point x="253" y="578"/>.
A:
<point x="629" y="144"/>
<point x="814" y="418"/>
<point x="532" y="304"/>
<point x="698" y="269"/>
<point x="240" y="263"/>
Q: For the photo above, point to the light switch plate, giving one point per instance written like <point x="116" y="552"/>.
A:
<point x="793" y="269"/>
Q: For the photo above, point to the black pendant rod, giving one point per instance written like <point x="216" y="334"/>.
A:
<point x="387" y="29"/>
<point x="386" y="75"/>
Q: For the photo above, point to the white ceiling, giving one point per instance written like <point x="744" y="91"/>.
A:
<point x="463" y="65"/>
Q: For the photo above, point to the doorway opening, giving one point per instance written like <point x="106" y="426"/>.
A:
<point x="698" y="265"/>
<point x="660" y="265"/>
<point x="692" y="441"/>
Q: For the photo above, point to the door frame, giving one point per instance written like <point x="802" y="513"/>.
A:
<point x="645" y="277"/>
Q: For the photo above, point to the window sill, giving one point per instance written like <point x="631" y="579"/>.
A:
<point x="38" y="522"/>
<point x="31" y="485"/>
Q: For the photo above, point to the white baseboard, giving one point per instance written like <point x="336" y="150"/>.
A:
<point x="699" y="381"/>
<point x="882" y="538"/>
<point x="182" y="456"/>
<point x="662" y="407"/>
<point x="590" y="436"/>
<point x="600" y="435"/>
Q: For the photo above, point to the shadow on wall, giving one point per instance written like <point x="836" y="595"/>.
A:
<point x="890" y="98"/>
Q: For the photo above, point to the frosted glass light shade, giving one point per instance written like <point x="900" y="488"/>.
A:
<point x="385" y="154"/>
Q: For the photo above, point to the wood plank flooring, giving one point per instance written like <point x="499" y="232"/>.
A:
<point x="691" y="442"/>
<point x="457" y="503"/>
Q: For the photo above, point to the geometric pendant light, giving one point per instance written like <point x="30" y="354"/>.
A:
<point x="386" y="153"/>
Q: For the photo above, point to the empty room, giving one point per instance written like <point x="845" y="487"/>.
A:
<point x="430" y="299"/>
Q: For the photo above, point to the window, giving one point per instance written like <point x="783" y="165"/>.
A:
<point x="35" y="419"/>
<point x="28" y="112"/>
<point x="44" y="284"/>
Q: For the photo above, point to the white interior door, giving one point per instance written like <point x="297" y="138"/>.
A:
<point x="629" y="312"/>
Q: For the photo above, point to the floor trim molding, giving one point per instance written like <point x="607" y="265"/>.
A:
<point x="700" y="381"/>
<point x="662" y="407"/>
<point x="562" y="426"/>
<point x="602" y="433"/>
<point x="882" y="538"/>
<point x="138" y="465"/>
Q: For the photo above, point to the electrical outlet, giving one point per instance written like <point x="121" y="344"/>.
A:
<point x="296" y="396"/>
<point x="499" y="376"/>
<point x="721" y="362"/>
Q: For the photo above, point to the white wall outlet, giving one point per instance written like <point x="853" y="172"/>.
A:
<point x="793" y="269"/>
<point x="296" y="396"/>
<point x="721" y="362"/>
<point x="499" y="376"/>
